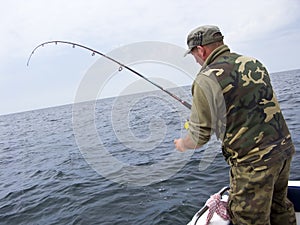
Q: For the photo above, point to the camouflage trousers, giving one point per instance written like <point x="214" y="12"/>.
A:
<point x="259" y="196"/>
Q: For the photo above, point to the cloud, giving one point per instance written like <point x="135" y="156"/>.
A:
<point x="261" y="21"/>
<point x="106" y="25"/>
<point x="25" y="23"/>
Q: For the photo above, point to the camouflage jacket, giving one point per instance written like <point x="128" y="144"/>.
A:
<point x="233" y="97"/>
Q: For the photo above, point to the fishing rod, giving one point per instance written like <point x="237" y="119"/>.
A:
<point x="186" y="104"/>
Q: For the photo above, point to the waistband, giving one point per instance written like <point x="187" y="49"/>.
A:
<point x="269" y="161"/>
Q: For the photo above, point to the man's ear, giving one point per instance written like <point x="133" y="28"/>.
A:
<point x="201" y="51"/>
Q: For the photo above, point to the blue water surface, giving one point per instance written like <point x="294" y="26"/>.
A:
<point x="48" y="178"/>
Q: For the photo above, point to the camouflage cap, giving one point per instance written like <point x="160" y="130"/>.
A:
<point x="203" y="35"/>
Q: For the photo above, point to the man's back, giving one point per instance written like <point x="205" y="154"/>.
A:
<point x="255" y="128"/>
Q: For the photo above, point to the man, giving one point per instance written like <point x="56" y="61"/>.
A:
<point x="233" y="98"/>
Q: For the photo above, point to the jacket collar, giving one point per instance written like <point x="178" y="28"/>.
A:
<point x="214" y="55"/>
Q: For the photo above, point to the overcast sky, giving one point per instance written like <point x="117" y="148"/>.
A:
<point x="267" y="30"/>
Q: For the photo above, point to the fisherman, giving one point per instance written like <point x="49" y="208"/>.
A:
<point x="233" y="98"/>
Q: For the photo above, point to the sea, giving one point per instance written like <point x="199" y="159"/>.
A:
<point x="113" y="161"/>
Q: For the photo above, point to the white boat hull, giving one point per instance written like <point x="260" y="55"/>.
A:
<point x="217" y="220"/>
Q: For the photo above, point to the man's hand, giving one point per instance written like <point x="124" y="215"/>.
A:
<point x="183" y="144"/>
<point x="179" y="144"/>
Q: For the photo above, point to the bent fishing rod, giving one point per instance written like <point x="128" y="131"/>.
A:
<point x="186" y="104"/>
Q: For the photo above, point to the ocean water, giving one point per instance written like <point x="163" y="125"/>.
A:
<point x="113" y="161"/>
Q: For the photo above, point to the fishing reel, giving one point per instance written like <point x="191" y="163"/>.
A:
<point x="186" y="124"/>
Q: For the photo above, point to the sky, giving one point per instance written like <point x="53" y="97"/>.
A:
<point x="267" y="30"/>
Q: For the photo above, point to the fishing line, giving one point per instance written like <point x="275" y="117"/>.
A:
<point x="186" y="104"/>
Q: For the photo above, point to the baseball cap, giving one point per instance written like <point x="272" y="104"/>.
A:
<point x="203" y="35"/>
